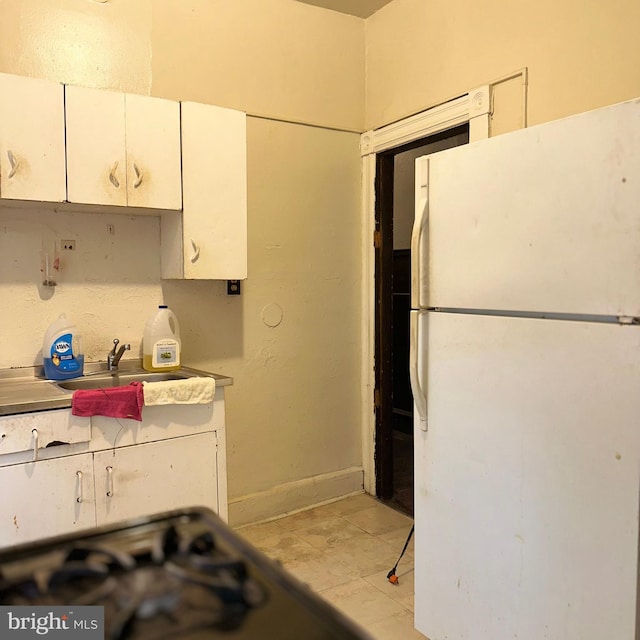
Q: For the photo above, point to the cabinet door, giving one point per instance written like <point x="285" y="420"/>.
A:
<point x="153" y="152"/>
<point x="32" y="156"/>
<point x="96" y="160"/>
<point x="156" y="477"/>
<point x="46" y="498"/>
<point x="214" y="175"/>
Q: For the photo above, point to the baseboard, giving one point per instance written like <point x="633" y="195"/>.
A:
<point x="294" y="496"/>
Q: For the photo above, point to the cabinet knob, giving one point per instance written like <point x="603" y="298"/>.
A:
<point x="13" y="162"/>
<point x="112" y="175"/>
<point x="36" y="436"/>
<point x="139" y="176"/>
<point x="79" y="491"/>
<point x="110" y="481"/>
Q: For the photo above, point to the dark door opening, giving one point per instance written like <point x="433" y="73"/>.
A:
<point x="394" y="213"/>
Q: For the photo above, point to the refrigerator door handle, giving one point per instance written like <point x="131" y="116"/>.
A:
<point x="420" y="225"/>
<point x="419" y="392"/>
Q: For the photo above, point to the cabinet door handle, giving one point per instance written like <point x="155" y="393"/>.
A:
<point x="13" y="161"/>
<point x="35" y="434"/>
<point x="139" y="176"/>
<point x="195" y="251"/>
<point x="112" y="175"/>
<point x="79" y="496"/>
<point x="110" y="481"/>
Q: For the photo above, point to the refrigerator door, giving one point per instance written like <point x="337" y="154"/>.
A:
<point x="527" y="481"/>
<point x="545" y="219"/>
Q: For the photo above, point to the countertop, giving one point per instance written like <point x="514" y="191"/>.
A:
<point x="23" y="389"/>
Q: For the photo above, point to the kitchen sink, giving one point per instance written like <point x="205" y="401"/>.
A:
<point x="120" y="378"/>
<point x="25" y="391"/>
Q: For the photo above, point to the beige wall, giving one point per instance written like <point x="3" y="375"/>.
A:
<point x="581" y="54"/>
<point x="275" y="57"/>
<point x="78" y="42"/>
<point x="293" y="412"/>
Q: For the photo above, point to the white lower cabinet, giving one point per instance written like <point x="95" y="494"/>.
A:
<point x="46" y="498"/>
<point x="108" y="470"/>
<point x="155" y="477"/>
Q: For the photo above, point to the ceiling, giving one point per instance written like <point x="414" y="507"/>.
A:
<point x="360" y="8"/>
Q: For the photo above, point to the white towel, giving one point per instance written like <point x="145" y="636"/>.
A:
<point x="189" y="391"/>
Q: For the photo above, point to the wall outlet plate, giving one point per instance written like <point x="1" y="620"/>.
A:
<point x="233" y="287"/>
<point x="68" y="245"/>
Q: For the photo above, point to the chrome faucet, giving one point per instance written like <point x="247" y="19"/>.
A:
<point x="115" y="354"/>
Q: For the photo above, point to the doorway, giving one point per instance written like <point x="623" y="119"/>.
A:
<point x="394" y="214"/>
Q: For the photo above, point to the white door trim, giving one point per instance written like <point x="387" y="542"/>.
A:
<point x="473" y="107"/>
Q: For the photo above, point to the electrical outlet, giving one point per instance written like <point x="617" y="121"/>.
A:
<point x="68" y="245"/>
<point x="233" y="287"/>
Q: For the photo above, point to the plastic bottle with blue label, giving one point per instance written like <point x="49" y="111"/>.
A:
<point x="62" y="354"/>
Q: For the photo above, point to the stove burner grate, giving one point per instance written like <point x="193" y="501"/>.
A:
<point x="178" y="584"/>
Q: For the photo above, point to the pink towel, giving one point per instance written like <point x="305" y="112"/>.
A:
<point x="112" y="402"/>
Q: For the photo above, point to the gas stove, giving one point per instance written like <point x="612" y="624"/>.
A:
<point x="181" y="574"/>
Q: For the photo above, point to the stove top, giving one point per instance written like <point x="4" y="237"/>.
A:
<point x="181" y="574"/>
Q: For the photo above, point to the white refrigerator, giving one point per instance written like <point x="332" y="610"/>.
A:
<point x="525" y="368"/>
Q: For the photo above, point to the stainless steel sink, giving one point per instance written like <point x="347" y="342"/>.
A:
<point x="23" y="390"/>
<point x="120" y="378"/>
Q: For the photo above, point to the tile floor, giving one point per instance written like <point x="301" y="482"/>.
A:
<point x="344" y="550"/>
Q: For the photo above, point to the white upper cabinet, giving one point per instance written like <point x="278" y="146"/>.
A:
<point x="153" y="152"/>
<point x="209" y="240"/>
<point x="186" y="161"/>
<point x="122" y="149"/>
<point x="96" y="158"/>
<point x="32" y="151"/>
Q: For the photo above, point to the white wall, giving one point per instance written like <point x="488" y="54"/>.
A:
<point x="293" y="412"/>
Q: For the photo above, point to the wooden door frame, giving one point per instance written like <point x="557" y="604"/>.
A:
<point x="473" y="108"/>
